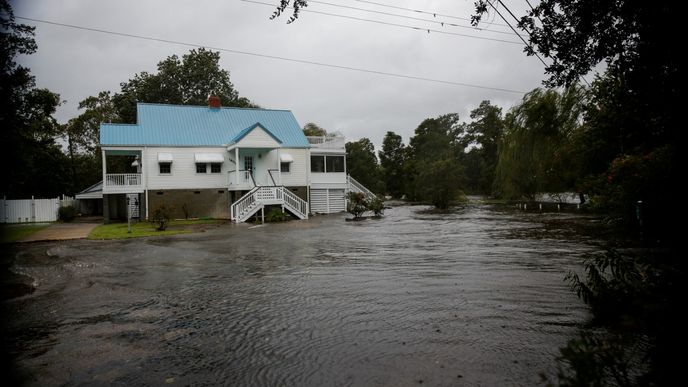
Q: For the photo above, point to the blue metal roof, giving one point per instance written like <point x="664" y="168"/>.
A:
<point x="181" y="125"/>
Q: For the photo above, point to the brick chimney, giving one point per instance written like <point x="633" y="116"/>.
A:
<point x="214" y="102"/>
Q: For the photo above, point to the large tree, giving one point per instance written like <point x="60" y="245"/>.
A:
<point x="392" y="159"/>
<point x="185" y="81"/>
<point x="32" y="160"/>
<point x="484" y="131"/>
<point x="432" y="168"/>
<point x="362" y="165"/>
<point x="312" y="129"/>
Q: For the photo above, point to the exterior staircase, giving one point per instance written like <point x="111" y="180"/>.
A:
<point x="261" y="196"/>
<point x="355" y="186"/>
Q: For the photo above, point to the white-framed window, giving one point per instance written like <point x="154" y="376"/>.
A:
<point x="334" y="163"/>
<point x="201" y="168"/>
<point x="215" y="168"/>
<point x="165" y="168"/>
<point x="317" y="163"/>
<point x="285" y="167"/>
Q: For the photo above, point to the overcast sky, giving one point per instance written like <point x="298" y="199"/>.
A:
<point x="77" y="63"/>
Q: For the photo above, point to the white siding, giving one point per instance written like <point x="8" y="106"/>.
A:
<point x="298" y="172"/>
<point x="183" y="169"/>
<point x="258" y="138"/>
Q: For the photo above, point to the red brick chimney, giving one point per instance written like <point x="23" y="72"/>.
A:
<point x="214" y="102"/>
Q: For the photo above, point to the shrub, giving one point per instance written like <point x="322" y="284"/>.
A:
<point x="275" y="215"/>
<point x="356" y="204"/>
<point x="377" y="206"/>
<point x="161" y="217"/>
<point x="67" y="213"/>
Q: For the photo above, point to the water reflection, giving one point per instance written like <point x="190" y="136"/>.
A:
<point x="472" y="297"/>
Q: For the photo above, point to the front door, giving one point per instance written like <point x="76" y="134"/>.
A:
<point x="249" y="168"/>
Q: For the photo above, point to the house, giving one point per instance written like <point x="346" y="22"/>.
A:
<point x="219" y="162"/>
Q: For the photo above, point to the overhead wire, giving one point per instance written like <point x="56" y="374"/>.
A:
<point x="442" y="23"/>
<point x="275" y="57"/>
<point x="391" y="24"/>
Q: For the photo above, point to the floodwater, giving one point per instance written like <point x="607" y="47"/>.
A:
<point x="475" y="297"/>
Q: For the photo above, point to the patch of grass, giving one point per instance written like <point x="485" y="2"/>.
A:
<point x="10" y="233"/>
<point x="144" y="229"/>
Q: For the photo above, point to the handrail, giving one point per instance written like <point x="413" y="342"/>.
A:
<point x="243" y="203"/>
<point x="271" y="177"/>
<point x="295" y="203"/>
<point x="358" y="187"/>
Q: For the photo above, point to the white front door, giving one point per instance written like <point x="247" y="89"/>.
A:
<point x="249" y="167"/>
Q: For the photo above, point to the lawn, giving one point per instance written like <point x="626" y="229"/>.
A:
<point x="144" y="229"/>
<point x="10" y="233"/>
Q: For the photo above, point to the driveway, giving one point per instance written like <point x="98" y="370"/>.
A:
<point x="62" y="231"/>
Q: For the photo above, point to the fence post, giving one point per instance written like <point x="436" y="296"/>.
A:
<point x="33" y="210"/>
<point x="4" y="209"/>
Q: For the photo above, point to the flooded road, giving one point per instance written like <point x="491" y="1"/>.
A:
<point x="475" y="297"/>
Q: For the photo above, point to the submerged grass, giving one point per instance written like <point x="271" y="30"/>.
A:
<point x="144" y="229"/>
<point x="10" y="233"/>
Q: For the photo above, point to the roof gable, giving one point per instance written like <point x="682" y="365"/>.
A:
<point x="179" y="125"/>
<point x="244" y="135"/>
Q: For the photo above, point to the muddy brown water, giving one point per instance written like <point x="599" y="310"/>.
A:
<point x="475" y="297"/>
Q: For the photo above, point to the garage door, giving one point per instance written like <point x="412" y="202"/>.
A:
<point x="327" y="201"/>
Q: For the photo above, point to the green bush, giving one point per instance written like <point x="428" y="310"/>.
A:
<point x="275" y="215"/>
<point x="161" y="217"/>
<point x="67" y="213"/>
<point x="356" y="204"/>
<point x="377" y="206"/>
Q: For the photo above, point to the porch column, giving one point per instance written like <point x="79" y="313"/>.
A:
<point x="236" y="165"/>
<point x="279" y="168"/>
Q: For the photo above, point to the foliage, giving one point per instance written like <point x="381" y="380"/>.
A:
<point x="161" y="216"/>
<point x="297" y="6"/>
<point x="432" y="166"/>
<point x="376" y="206"/>
<point x="33" y="164"/>
<point x="535" y="153"/>
<point x="356" y="204"/>
<point x="186" y="81"/>
<point x="275" y="215"/>
<point x="392" y="159"/>
<point x="362" y="165"/>
<point x="483" y="132"/>
<point x="67" y="213"/>
<point x="312" y="129"/>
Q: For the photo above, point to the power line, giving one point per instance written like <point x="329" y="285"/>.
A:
<point x="434" y="14"/>
<point x="513" y="29"/>
<point x="391" y="24"/>
<point x="330" y="65"/>
<point x="442" y="23"/>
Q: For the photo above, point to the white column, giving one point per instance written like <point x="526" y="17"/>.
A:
<point x="279" y="169"/>
<point x="104" y="169"/>
<point x="236" y="165"/>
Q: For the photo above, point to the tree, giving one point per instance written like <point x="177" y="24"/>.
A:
<point x="361" y="164"/>
<point x="392" y="158"/>
<point x="312" y="129"/>
<point x="432" y="168"/>
<point x="485" y="131"/>
<point x="32" y="161"/>
<point x="186" y="81"/>
<point x="535" y="154"/>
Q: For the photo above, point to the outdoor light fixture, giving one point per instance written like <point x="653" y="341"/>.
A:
<point x="136" y="162"/>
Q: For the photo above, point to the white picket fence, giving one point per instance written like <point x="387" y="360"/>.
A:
<point x="32" y="210"/>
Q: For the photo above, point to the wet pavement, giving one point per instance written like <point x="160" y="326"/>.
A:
<point x="475" y="297"/>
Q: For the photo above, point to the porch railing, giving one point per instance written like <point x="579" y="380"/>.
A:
<point x="122" y="181"/>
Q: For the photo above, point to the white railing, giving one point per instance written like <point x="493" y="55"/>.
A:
<point x="326" y="141"/>
<point x="258" y="197"/>
<point x="121" y="182"/>
<point x="295" y="204"/>
<point x="355" y="186"/>
<point x="239" y="209"/>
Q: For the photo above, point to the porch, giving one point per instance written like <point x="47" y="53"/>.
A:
<point x="122" y="171"/>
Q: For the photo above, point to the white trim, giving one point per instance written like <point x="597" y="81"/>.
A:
<point x="286" y="158"/>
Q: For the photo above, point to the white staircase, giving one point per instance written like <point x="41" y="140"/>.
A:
<point x="355" y="186"/>
<point x="261" y="196"/>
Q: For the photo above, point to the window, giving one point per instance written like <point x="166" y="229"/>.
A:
<point x="284" y="167"/>
<point x="215" y="168"/>
<point x="335" y="164"/>
<point x="201" y="168"/>
<point x="165" y="168"/>
<point x="317" y="163"/>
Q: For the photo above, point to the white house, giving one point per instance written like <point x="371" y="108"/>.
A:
<point x="213" y="161"/>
